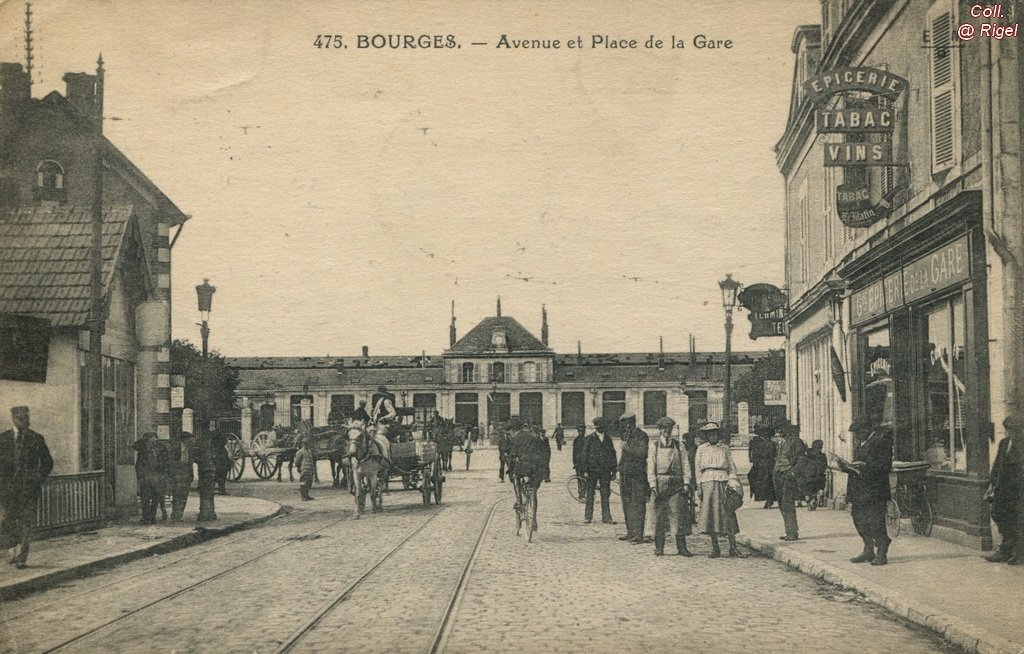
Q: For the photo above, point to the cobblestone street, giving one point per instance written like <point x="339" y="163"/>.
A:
<point x="575" y="588"/>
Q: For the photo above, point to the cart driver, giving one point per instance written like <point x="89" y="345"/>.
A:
<point x="384" y="410"/>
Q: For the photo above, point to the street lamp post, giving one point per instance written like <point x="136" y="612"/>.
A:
<point x="729" y="288"/>
<point x="207" y="458"/>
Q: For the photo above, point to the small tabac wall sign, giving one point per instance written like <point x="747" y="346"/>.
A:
<point x="858" y="120"/>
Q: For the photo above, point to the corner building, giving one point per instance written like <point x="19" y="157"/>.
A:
<point x="904" y="242"/>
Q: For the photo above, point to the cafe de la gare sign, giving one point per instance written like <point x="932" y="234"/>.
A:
<point x="867" y="128"/>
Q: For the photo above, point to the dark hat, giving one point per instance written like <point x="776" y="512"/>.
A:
<point x="861" y="424"/>
<point x="19" y="411"/>
<point x="710" y="426"/>
<point x="600" y="422"/>
<point x="818" y="443"/>
<point x="627" y="416"/>
<point x="514" y="422"/>
<point x="382" y="389"/>
<point x="362" y="402"/>
<point x="666" y="423"/>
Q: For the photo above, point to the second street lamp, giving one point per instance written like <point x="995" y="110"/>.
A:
<point x="205" y="293"/>
<point x="729" y="288"/>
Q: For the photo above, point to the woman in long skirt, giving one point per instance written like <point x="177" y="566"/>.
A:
<point x="716" y="472"/>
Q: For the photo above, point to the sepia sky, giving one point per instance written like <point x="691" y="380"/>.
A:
<point x="344" y="197"/>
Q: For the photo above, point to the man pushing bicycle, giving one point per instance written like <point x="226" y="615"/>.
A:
<point x="529" y="457"/>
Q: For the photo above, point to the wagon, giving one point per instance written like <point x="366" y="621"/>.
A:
<point x="415" y="460"/>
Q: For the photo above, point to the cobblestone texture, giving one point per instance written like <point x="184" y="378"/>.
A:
<point x="575" y="588"/>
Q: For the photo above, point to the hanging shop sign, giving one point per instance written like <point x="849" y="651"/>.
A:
<point x="775" y="392"/>
<point x="767" y="306"/>
<point x="867" y="127"/>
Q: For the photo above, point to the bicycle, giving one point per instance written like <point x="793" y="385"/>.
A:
<point x="910" y="500"/>
<point x="577" y="488"/>
<point x="526" y="505"/>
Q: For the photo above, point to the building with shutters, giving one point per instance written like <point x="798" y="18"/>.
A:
<point x="48" y="185"/>
<point x="495" y="370"/>
<point x="902" y="157"/>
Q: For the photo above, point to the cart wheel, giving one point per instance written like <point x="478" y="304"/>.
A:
<point x="922" y="520"/>
<point x="264" y="465"/>
<point x="892" y="518"/>
<point x="438" y="484"/>
<point x="236" y="453"/>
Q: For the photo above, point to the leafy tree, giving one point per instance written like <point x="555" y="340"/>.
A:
<point x="209" y="382"/>
<point x="749" y="387"/>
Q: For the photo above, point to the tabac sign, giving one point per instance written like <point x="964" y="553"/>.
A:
<point x="867" y="126"/>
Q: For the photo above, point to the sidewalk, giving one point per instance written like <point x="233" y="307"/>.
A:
<point x="58" y="559"/>
<point x="944" y="587"/>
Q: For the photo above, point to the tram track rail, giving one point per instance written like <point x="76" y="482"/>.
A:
<point x="181" y="591"/>
<point x="440" y="638"/>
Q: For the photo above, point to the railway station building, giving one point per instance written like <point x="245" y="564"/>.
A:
<point x="497" y="369"/>
<point x="904" y="244"/>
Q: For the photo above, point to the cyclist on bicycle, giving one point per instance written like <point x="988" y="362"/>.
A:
<point x="529" y="453"/>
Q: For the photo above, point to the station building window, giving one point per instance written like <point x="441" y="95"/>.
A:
<point x="423" y="405"/>
<point x="531" y="408"/>
<point x="300" y="412"/>
<point x="467" y="409"/>
<point x="468" y="372"/>
<point x="342" y="406"/>
<point x="573" y="409"/>
<point x="655" y="406"/>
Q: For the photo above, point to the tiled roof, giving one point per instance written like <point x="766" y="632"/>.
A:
<point x="44" y="260"/>
<point x="333" y="362"/>
<point x="273" y="379"/>
<point x="517" y="338"/>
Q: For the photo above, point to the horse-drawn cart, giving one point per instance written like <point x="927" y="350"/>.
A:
<point x="418" y="465"/>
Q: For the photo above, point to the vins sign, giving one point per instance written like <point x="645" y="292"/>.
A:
<point x="858" y="154"/>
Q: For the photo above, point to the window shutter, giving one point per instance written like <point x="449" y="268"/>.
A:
<point x="943" y="86"/>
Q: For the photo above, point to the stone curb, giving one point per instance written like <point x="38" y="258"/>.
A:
<point x="199" y="535"/>
<point x="970" y="638"/>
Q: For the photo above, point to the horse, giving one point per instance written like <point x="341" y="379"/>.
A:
<point x="336" y="455"/>
<point x="367" y="461"/>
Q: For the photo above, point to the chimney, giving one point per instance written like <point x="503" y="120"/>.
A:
<point x="15" y="88"/>
<point x="451" y="328"/>
<point x="544" y="325"/>
<point x="423" y="359"/>
<point x="661" y="353"/>
<point x="579" y="352"/>
<point x="499" y="306"/>
<point x="693" y="350"/>
<point x="366" y="352"/>
<point x="81" y="93"/>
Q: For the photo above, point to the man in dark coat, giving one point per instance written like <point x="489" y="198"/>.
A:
<point x="1004" y="493"/>
<point x="559" y="436"/>
<point x="504" y="443"/>
<point x="529" y="453"/>
<point x="179" y="472"/>
<point x="762" y="452"/>
<point x="597" y="466"/>
<point x="150" y="470"/>
<point x="784" y="479"/>
<point x="634" y="486"/>
<point x="867" y="489"/>
<point x="25" y="462"/>
<point x="360" y="414"/>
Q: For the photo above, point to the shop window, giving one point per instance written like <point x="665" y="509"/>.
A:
<point x="877" y="377"/>
<point x="573" y="409"/>
<point x="467" y="409"/>
<point x="943" y="367"/>
<point x="468" y="370"/>
<point x="655" y="406"/>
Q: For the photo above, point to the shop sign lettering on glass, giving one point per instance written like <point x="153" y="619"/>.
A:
<point x="867" y="303"/>
<point x="944" y="267"/>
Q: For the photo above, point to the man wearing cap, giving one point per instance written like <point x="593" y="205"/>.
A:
<point x="867" y="489"/>
<point x="504" y="446"/>
<point x="668" y="469"/>
<point x="529" y="452"/>
<point x="785" y="481"/>
<point x="634" y="487"/>
<point x="25" y="462"/>
<point x="597" y="467"/>
<point x="384" y="410"/>
<point x="1004" y="492"/>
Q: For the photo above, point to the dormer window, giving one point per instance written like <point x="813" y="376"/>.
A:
<point x="498" y="341"/>
<point x="49" y="181"/>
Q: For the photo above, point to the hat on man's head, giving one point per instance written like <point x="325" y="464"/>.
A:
<point x="19" y="411"/>
<point x="627" y="416"/>
<point x="514" y="422"/>
<point x="710" y="426"/>
<point x="600" y="422"/>
<point x="666" y="423"/>
<point x="861" y="424"/>
<point x="382" y="389"/>
<point x="362" y="402"/>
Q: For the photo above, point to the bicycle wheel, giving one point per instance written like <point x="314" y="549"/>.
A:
<point x="531" y="514"/>
<point x="575" y="487"/>
<point x="892" y="518"/>
<point x="923" y="518"/>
